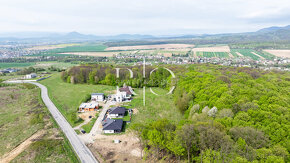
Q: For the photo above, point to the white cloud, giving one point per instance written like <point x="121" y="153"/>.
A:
<point x="105" y="17"/>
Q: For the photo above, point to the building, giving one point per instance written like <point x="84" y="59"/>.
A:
<point x="30" y="76"/>
<point x="116" y="112"/>
<point x="88" y="107"/>
<point x="97" y="97"/>
<point x="112" y="125"/>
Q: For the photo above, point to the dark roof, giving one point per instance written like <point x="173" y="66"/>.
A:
<point x="117" y="110"/>
<point x="113" y="124"/>
<point x="97" y="94"/>
<point x="126" y="89"/>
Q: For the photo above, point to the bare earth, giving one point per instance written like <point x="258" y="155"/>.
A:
<point x="95" y="54"/>
<point x="160" y="46"/>
<point x="279" y="53"/>
<point x="257" y="55"/>
<point x="239" y="54"/>
<point x="16" y="151"/>
<point x="127" y="150"/>
<point x="213" y="49"/>
<point x="231" y="56"/>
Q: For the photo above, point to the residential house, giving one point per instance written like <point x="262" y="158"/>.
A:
<point x="88" y="107"/>
<point x="97" y="97"/>
<point x="112" y="125"/>
<point x="116" y="112"/>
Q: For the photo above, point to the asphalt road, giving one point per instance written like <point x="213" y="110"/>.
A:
<point x="83" y="152"/>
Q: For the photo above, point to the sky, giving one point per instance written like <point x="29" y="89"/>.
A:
<point x="155" y="17"/>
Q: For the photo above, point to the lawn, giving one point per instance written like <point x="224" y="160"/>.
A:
<point x="89" y="126"/>
<point x="156" y="107"/>
<point x="22" y="114"/>
<point x="67" y="97"/>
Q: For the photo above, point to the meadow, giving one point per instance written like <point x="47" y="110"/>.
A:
<point x="156" y="107"/>
<point x="67" y="97"/>
<point x="22" y="115"/>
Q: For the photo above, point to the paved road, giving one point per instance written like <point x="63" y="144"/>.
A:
<point x="96" y="129"/>
<point x="83" y="152"/>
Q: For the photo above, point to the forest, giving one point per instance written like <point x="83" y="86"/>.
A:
<point x="230" y="114"/>
<point x="106" y="74"/>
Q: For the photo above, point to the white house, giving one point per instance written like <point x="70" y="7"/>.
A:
<point x="30" y="76"/>
<point x="97" y="97"/>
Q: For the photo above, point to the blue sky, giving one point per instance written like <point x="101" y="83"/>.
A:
<point x="156" y="17"/>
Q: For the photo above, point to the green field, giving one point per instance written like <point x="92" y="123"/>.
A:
<point x="15" y="65"/>
<point x="156" y="107"/>
<point x="67" y="97"/>
<point x="213" y="54"/>
<point x="248" y="53"/>
<point x="22" y="115"/>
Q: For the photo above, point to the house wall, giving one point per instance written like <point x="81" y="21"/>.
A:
<point x="115" y="116"/>
<point x="109" y="131"/>
<point x="97" y="97"/>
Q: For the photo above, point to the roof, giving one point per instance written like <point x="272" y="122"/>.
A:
<point x="89" y="105"/>
<point x="113" y="124"/>
<point x="97" y="94"/>
<point x="117" y="110"/>
<point x="126" y="89"/>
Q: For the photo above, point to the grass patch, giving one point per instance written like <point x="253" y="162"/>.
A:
<point x="67" y="97"/>
<point x="156" y="107"/>
<point x="89" y="126"/>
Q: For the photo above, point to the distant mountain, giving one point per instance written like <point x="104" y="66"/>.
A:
<point x="263" y="35"/>
<point x="273" y="29"/>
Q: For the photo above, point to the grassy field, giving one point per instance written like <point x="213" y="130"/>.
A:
<point x="156" y="107"/>
<point x="22" y="115"/>
<point x="67" y="97"/>
<point x="15" y="65"/>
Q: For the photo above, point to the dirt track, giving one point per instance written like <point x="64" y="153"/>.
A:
<point x="20" y="148"/>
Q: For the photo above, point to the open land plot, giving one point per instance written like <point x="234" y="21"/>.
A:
<point x="159" y="46"/>
<point x="156" y="107"/>
<point x="279" y="53"/>
<point x="67" y="97"/>
<point x="95" y="54"/>
<point x="213" y="49"/>
<point x="28" y="133"/>
<point x="49" y="47"/>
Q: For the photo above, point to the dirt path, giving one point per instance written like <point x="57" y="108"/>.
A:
<point x="257" y="55"/>
<point x="20" y="148"/>
<point x="230" y="55"/>
<point x="239" y="54"/>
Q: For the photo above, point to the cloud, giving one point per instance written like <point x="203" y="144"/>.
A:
<point x="159" y="17"/>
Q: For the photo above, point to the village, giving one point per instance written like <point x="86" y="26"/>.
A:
<point x="111" y="117"/>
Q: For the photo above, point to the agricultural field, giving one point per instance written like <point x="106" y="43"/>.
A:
<point x="159" y="46"/>
<point x="255" y="55"/>
<point x="15" y="65"/>
<point x="213" y="54"/>
<point x="279" y="53"/>
<point x="23" y="115"/>
<point x="94" y="54"/>
<point x="67" y="97"/>
<point x="212" y="49"/>
<point x="50" y="47"/>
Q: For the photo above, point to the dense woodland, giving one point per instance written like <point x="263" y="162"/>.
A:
<point x="230" y="114"/>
